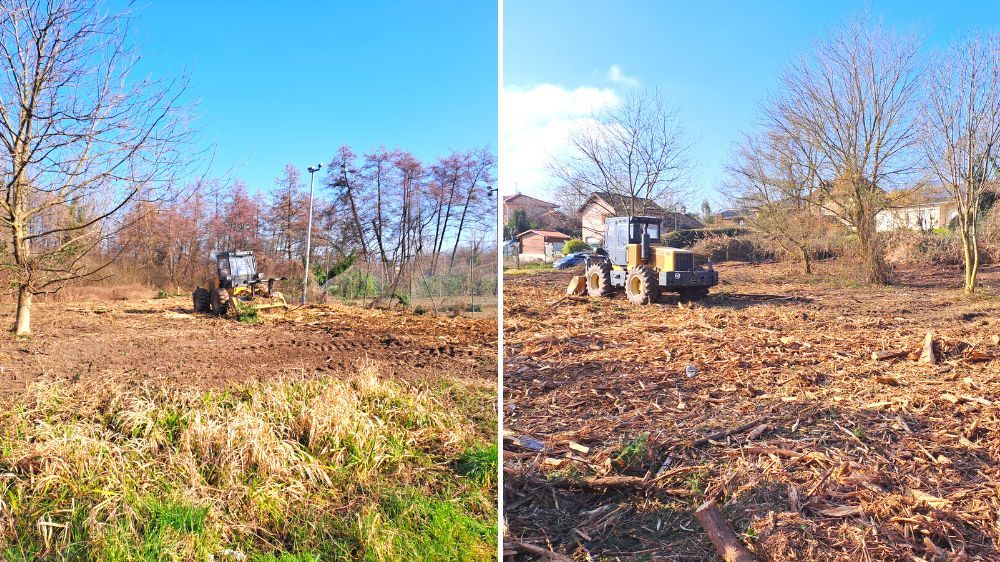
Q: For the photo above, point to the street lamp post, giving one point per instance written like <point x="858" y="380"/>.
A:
<point x="309" y="230"/>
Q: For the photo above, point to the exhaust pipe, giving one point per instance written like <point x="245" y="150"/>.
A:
<point x="644" y="247"/>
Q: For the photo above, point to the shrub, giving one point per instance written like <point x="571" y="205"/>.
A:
<point x="688" y="237"/>
<point x="246" y="313"/>
<point x="575" y="245"/>
<point x="353" y="284"/>
<point x="908" y="246"/>
<point x="731" y="248"/>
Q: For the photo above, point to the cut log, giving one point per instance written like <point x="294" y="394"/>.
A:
<point x="727" y="544"/>
<point x="927" y="354"/>
<point x="577" y="285"/>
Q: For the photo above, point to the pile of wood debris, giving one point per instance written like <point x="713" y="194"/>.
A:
<point x="828" y="421"/>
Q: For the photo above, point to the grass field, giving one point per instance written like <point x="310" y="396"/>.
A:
<point x="366" y="461"/>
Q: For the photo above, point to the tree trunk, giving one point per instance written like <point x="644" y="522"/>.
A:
<point x="970" y="250"/>
<point x="876" y="272"/>
<point x="806" y="259"/>
<point x="22" y="326"/>
<point x="975" y="264"/>
<point x="461" y="224"/>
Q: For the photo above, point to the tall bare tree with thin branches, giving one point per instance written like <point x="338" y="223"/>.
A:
<point x="79" y="139"/>
<point x="961" y="132"/>
<point x="772" y="180"/>
<point x="637" y="151"/>
<point x="850" y="107"/>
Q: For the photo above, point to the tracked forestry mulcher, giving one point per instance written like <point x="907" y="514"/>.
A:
<point x="633" y="259"/>
<point x="238" y="281"/>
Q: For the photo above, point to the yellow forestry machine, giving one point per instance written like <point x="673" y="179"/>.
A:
<point x="634" y="259"/>
<point x="238" y="281"/>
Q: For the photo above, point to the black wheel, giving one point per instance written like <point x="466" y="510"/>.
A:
<point x="599" y="279"/>
<point x="202" y="300"/>
<point x="689" y="295"/>
<point x="220" y="302"/>
<point x="642" y="286"/>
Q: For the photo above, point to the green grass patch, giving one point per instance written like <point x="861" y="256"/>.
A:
<point x="425" y="528"/>
<point x="528" y="268"/>
<point x="480" y="463"/>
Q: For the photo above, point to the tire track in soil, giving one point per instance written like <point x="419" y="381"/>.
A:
<point x="209" y="352"/>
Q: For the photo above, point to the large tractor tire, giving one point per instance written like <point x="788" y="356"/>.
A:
<point x="202" y="300"/>
<point x="642" y="286"/>
<point x="599" y="280"/>
<point x="220" y="302"/>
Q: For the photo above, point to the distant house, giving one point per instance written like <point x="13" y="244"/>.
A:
<point x="923" y="209"/>
<point x="926" y="211"/>
<point x="541" y="244"/>
<point x="601" y="205"/>
<point x="541" y="212"/>
<point x="735" y="217"/>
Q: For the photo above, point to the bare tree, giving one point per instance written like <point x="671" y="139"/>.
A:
<point x="637" y="151"/>
<point x="772" y="180"/>
<point x="849" y="108"/>
<point x="961" y="132"/>
<point x="78" y="138"/>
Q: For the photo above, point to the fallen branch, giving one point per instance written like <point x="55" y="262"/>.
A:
<point x="726" y="433"/>
<point x="888" y="354"/>
<point x="783" y="453"/>
<point x="727" y="544"/>
<point x="573" y="298"/>
<point x="536" y="550"/>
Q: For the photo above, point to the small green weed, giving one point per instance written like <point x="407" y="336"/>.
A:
<point x="246" y="313"/>
<point x="632" y="451"/>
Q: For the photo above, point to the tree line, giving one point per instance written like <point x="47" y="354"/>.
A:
<point x="398" y="221"/>
<point x="97" y="166"/>
<point x="864" y="122"/>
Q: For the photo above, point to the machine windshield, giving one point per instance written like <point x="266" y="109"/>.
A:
<point x="240" y="267"/>
<point x="651" y="228"/>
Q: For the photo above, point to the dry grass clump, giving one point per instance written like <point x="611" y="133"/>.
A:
<point x="316" y="469"/>
<point x="926" y="248"/>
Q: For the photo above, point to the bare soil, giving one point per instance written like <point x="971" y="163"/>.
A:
<point x="161" y="340"/>
<point x="815" y="448"/>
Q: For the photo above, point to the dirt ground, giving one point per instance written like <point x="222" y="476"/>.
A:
<point x="160" y="339"/>
<point x="815" y="446"/>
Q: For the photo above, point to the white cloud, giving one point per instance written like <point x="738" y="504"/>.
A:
<point x="616" y="75"/>
<point x="535" y="124"/>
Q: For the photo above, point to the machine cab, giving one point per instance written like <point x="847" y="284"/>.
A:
<point x="236" y="269"/>
<point x="622" y="231"/>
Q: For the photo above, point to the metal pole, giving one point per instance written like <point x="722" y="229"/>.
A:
<point x="309" y="230"/>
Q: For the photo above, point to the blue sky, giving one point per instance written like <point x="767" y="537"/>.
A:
<point x="290" y="82"/>
<point x="715" y="61"/>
